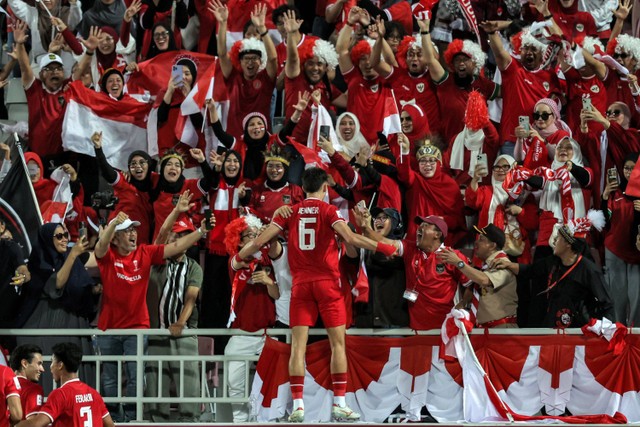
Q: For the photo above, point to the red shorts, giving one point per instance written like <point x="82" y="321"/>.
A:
<point x="309" y="298"/>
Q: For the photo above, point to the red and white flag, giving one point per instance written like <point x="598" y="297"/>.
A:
<point x="470" y="16"/>
<point x="56" y="209"/>
<point x="391" y="122"/>
<point x="318" y="119"/>
<point x="122" y="123"/>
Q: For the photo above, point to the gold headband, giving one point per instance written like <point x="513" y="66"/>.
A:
<point x="276" y="159"/>
<point x="429" y="151"/>
<point x="174" y="156"/>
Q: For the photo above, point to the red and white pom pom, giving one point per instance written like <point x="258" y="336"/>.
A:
<point x="469" y="48"/>
<point x="589" y="44"/>
<point x="245" y="45"/>
<point x="580" y="226"/>
<point x="476" y="116"/>
<point x="528" y="39"/>
<point x="320" y="48"/>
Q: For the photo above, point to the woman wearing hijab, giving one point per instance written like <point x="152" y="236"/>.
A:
<point x="169" y="115"/>
<point x="61" y="294"/>
<point x="415" y="126"/>
<point x="256" y="139"/>
<point x="349" y="135"/>
<point x="515" y="217"/>
<point x="103" y="13"/>
<point x="537" y="146"/>
<point x="132" y="193"/>
<point x="162" y="11"/>
<point x="622" y="213"/>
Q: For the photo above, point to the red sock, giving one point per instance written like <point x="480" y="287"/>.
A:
<point x="339" y="383"/>
<point x="297" y="385"/>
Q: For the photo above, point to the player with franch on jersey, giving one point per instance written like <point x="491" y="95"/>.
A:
<point x="313" y="258"/>
<point x="73" y="404"/>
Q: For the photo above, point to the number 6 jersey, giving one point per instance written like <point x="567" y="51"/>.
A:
<point x="313" y="249"/>
<point x="75" y="404"/>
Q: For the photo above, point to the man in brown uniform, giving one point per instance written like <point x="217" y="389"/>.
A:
<point x="497" y="288"/>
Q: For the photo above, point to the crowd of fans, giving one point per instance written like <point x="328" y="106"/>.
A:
<point x="500" y="161"/>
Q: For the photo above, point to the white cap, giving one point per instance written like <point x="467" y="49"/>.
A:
<point x="48" y="59"/>
<point x="126" y="224"/>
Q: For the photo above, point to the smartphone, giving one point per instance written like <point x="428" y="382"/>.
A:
<point x="524" y="122"/>
<point x="586" y="104"/>
<point x="325" y="132"/>
<point x="482" y="159"/>
<point x="207" y="216"/>
<point x="175" y="199"/>
<point x="612" y="175"/>
<point x="362" y="207"/>
<point x="82" y="231"/>
<point x="176" y="74"/>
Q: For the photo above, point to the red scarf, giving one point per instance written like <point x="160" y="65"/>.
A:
<point x="224" y="205"/>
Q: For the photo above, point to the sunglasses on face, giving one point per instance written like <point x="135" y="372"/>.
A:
<point x="622" y="55"/>
<point x="613" y="113"/>
<point x="543" y="116"/>
<point x="61" y="236"/>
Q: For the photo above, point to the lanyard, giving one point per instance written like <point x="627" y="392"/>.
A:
<point x="552" y="285"/>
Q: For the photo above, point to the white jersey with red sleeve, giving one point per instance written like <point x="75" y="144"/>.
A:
<point x="75" y="404"/>
<point x="313" y="248"/>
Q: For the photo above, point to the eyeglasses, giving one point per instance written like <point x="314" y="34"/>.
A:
<point x="130" y="230"/>
<point x="161" y="35"/>
<point x="274" y="167"/>
<point x="622" y="55"/>
<point x="613" y="113"/>
<point x="141" y="163"/>
<point x="394" y="37"/>
<point x="428" y="160"/>
<point x="52" y="69"/>
<point x="543" y="116"/>
<point x="249" y="235"/>
<point x="381" y="218"/>
<point x="628" y="169"/>
<point x="501" y="168"/>
<point x="406" y="119"/>
<point x="250" y="59"/>
<point x="61" y="236"/>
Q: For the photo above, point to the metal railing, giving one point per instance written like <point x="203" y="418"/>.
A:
<point x="140" y="358"/>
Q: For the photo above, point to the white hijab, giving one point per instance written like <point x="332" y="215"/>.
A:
<point x="500" y="196"/>
<point x="352" y="146"/>
<point x="551" y="192"/>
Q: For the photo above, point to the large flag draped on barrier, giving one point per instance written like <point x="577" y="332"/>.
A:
<point x="122" y="123"/>
<point x="560" y="372"/>
<point x="18" y="207"/>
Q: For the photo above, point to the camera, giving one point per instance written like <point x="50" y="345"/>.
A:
<point x="104" y="200"/>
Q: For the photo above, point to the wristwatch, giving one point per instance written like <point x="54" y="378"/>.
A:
<point x="460" y="265"/>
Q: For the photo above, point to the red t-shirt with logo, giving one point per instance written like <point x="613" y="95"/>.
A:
<point x="30" y="396"/>
<point x="313" y="248"/>
<point x="46" y="112"/>
<point x="247" y="96"/>
<point x="9" y="386"/>
<point x="75" y="404"/>
<point x="366" y="101"/>
<point x="521" y="89"/>
<point x="125" y="280"/>
<point x="435" y="283"/>
<point x="579" y="87"/>
<point x="418" y="90"/>
<point x="265" y="200"/>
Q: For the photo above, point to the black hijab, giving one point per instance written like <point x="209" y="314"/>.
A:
<point x="254" y="156"/>
<point x="145" y="184"/>
<point x="164" y="185"/>
<point x="231" y="182"/>
<point x="101" y="15"/>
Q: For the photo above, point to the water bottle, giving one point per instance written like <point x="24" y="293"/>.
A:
<point x="96" y="347"/>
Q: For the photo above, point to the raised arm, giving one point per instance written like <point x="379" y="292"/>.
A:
<point x="598" y="67"/>
<point x="62" y="275"/>
<point x="102" y="246"/>
<point x="90" y="44"/>
<point x="503" y="59"/>
<point x="184" y="243"/>
<point x="382" y="67"/>
<point x="333" y="12"/>
<point x="359" y="241"/>
<point x="624" y="7"/>
<point x="221" y="12"/>
<point x="183" y="205"/>
<point x="292" y="27"/>
<point x="435" y="68"/>
<point x="246" y="253"/>
<point x="344" y="39"/>
<point x="20" y="54"/>
<point x="258" y="17"/>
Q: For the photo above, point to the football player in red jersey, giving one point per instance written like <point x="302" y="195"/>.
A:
<point x="74" y="403"/>
<point x="10" y="409"/>
<point x="313" y="258"/>
<point x="26" y="362"/>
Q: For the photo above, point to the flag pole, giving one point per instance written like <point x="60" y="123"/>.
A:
<point x="204" y="118"/>
<point x="393" y="95"/>
<point x="24" y="168"/>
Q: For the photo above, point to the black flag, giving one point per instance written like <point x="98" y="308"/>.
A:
<point x="18" y="206"/>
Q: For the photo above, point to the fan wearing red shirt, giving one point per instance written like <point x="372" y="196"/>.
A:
<point x="306" y="71"/>
<point x="367" y="90"/>
<point x="74" y="404"/>
<point x="10" y="408"/>
<point x="249" y="70"/>
<point x="124" y="268"/>
<point x="277" y="18"/>
<point x="45" y="99"/>
<point x="524" y="81"/>
<point x="624" y="49"/>
<point x="26" y="362"/>
<point x="314" y="258"/>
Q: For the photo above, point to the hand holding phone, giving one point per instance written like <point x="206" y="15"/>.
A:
<point x="325" y="132"/>
<point x="524" y="122"/>
<point x="207" y="217"/>
<point x="176" y="75"/>
<point x="612" y="176"/>
<point x="586" y="104"/>
<point x="82" y="231"/>
<point x="481" y="159"/>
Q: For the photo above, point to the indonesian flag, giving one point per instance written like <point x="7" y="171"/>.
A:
<point x="195" y="103"/>
<point x="122" y="123"/>
<point x="633" y="186"/>
<point x="322" y="118"/>
<point x="56" y="209"/>
<point x="391" y="122"/>
<point x="470" y="16"/>
<point x="360" y="289"/>
<point x="310" y="156"/>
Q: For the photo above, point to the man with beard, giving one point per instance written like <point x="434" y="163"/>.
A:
<point x="524" y="81"/>
<point x="26" y="362"/>
<point x="465" y="60"/>
<point x="46" y="103"/>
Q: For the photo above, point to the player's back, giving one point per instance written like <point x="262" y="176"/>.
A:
<point x="75" y="404"/>
<point x="9" y="386"/>
<point x="313" y="249"/>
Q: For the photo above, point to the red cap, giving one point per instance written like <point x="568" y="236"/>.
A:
<point x="183" y="224"/>
<point x="435" y="220"/>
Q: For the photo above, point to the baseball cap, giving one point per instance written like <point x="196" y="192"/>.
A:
<point x="183" y="225"/>
<point x="126" y="224"/>
<point x="435" y="220"/>
<point x="50" y="58"/>
<point x="493" y="233"/>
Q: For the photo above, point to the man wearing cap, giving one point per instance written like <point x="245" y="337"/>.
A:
<point x="125" y="267"/>
<point x="497" y="288"/>
<point x="569" y="286"/>
<point x="173" y="291"/>
<point x="45" y="99"/>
